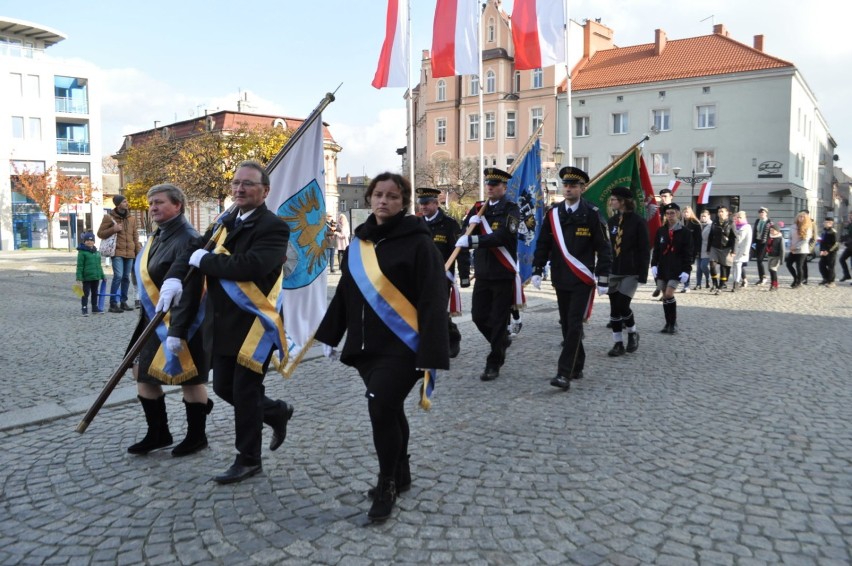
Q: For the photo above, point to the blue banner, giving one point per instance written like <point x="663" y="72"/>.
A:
<point x="525" y="189"/>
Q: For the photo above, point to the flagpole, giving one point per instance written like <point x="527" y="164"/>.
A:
<point x="300" y="131"/>
<point x="570" y="144"/>
<point x="410" y="141"/>
<point x="481" y="105"/>
<point x="615" y="162"/>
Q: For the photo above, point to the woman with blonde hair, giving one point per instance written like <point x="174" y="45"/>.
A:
<point x="800" y="237"/>
<point x="342" y="235"/>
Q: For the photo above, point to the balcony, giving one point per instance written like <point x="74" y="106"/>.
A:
<point x="71" y="106"/>
<point x="72" y="147"/>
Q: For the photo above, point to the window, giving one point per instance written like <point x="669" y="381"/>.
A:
<point x="659" y="164"/>
<point x="441" y="130"/>
<point x="537" y="78"/>
<point x="473" y="127"/>
<point x="537" y="115"/>
<point x="703" y="160"/>
<point x="516" y="85"/>
<point x="342" y="205"/>
<point x="581" y="126"/>
<point x="581" y="163"/>
<point x="662" y="119"/>
<point x="509" y="161"/>
<point x="18" y="127"/>
<point x="474" y="85"/>
<point x="619" y="123"/>
<point x="490" y="82"/>
<point x="442" y="91"/>
<point x="32" y="86"/>
<point x="490" y="125"/>
<point x="511" y="120"/>
<point x="355" y="203"/>
<point x="705" y="116"/>
<point x="491" y="33"/>
<point x="16" y="84"/>
<point x="34" y="132"/>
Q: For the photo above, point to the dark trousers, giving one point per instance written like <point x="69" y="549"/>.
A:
<point x="90" y="287"/>
<point x="572" y="306"/>
<point x="455" y="335"/>
<point x="761" y="255"/>
<point x="847" y="253"/>
<point x="244" y="390"/>
<point x="796" y="265"/>
<point x="490" y="311"/>
<point x="826" y="267"/>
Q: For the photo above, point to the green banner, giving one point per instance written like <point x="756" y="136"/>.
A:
<point x="626" y="174"/>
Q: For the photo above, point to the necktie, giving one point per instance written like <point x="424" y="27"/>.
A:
<point x="238" y="222"/>
<point x="618" y="235"/>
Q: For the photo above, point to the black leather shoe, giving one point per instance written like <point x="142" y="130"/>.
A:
<point x="115" y="308"/>
<point x="125" y="307"/>
<point x="656" y="293"/>
<point x="617" y="350"/>
<point x="609" y="324"/>
<point x="455" y="348"/>
<point x="279" y="427"/>
<point x="673" y="329"/>
<point x="665" y="329"/>
<point x="632" y="342"/>
<point x="562" y="382"/>
<point x="237" y="473"/>
<point x="490" y="374"/>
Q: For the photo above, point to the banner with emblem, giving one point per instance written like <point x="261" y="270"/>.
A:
<point x="297" y="194"/>
<point x="525" y="189"/>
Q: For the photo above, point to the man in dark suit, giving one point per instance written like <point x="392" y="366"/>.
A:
<point x="250" y="257"/>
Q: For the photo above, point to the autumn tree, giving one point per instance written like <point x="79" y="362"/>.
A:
<point x="50" y="190"/>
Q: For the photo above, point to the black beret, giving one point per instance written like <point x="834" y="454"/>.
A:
<point x="621" y="192"/>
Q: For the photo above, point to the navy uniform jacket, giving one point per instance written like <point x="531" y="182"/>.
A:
<point x="504" y="217"/>
<point x="258" y="249"/>
<point x="672" y="256"/>
<point x="445" y="232"/>
<point x="585" y="237"/>
<point x="635" y="247"/>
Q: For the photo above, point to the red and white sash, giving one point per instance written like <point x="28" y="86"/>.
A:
<point x="582" y="272"/>
<point x="505" y="258"/>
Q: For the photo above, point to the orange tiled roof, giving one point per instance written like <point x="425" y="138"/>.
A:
<point x="681" y="58"/>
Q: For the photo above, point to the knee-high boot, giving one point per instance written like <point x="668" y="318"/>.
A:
<point x="196" y="426"/>
<point x="158" y="435"/>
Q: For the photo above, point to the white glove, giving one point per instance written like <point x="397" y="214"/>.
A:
<point x="602" y="290"/>
<point x="195" y="258"/>
<point x="475" y="219"/>
<point x="654" y="271"/>
<point x="536" y="281"/>
<point x="463" y="242"/>
<point x="329" y="352"/>
<point x="170" y="293"/>
<point x="451" y="276"/>
<point x="174" y="344"/>
<point x="684" y="277"/>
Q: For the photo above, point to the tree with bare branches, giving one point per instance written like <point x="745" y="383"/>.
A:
<point x="458" y="176"/>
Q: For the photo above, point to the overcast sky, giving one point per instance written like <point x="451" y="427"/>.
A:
<point x="171" y="60"/>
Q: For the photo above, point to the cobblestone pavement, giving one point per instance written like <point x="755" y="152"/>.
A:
<point x="728" y="443"/>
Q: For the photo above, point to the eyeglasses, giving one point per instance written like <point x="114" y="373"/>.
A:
<point x="235" y="184"/>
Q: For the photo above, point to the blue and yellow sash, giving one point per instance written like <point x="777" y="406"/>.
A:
<point x="169" y="368"/>
<point x="389" y="304"/>
<point x="267" y="331"/>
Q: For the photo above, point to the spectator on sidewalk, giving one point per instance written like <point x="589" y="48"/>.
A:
<point x="722" y="239"/>
<point x="342" y="235"/>
<point x="330" y="240"/>
<point x="742" y="249"/>
<point x="828" y="246"/>
<point x="775" y="251"/>
<point x="800" y="237"/>
<point x="120" y="222"/>
<point x="760" y="234"/>
<point x="704" y="251"/>
<point x="693" y="226"/>
<point x="846" y="239"/>
<point x="90" y="272"/>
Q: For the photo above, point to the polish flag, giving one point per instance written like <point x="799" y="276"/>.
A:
<point x="53" y="204"/>
<point x="704" y="193"/>
<point x="455" y="38"/>
<point x="674" y="185"/>
<point x="393" y="68"/>
<point x="538" y="32"/>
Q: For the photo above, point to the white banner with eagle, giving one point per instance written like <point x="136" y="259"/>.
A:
<point x="297" y="195"/>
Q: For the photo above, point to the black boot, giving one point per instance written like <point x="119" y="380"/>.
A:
<point x="632" y="342"/>
<point x="196" y="425"/>
<point x="158" y="435"/>
<point x="383" y="502"/>
<point x="402" y="477"/>
<point x="617" y="350"/>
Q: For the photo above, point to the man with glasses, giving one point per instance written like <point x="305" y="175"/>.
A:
<point x="574" y="239"/>
<point x="494" y="242"/>
<point x="243" y="278"/>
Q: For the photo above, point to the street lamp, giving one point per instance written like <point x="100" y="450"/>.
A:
<point x="693" y="180"/>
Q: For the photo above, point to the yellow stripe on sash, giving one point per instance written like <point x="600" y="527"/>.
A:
<point x="386" y="289"/>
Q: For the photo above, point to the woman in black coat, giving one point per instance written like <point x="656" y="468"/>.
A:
<point x="156" y="365"/>
<point x="671" y="261"/>
<point x="389" y="361"/>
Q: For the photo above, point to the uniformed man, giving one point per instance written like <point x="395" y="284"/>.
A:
<point x="495" y="258"/>
<point x="574" y="239"/>
<point x="445" y="233"/>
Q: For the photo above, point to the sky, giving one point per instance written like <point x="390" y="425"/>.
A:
<point x="171" y="60"/>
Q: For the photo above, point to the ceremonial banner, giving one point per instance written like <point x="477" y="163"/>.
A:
<point x="297" y="195"/>
<point x="455" y="38"/>
<point x="538" y="32"/>
<point x="393" y="65"/>
<point x="525" y="189"/>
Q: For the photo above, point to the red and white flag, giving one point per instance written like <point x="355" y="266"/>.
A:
<point x="674" y="185"/>
<point x="704" y="193"/>
<point x="53" y="205"/>
<point x="455" y="38"/>
<point x="393" y="65"/>
<point x="538" y="32"/>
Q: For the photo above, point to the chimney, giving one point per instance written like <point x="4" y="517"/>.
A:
<point x="720" y="30"/>
<point x="758" y="42"/>
<point x="659" y="41"/>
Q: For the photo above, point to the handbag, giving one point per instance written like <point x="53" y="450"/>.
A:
<point x="107" y="245"/>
